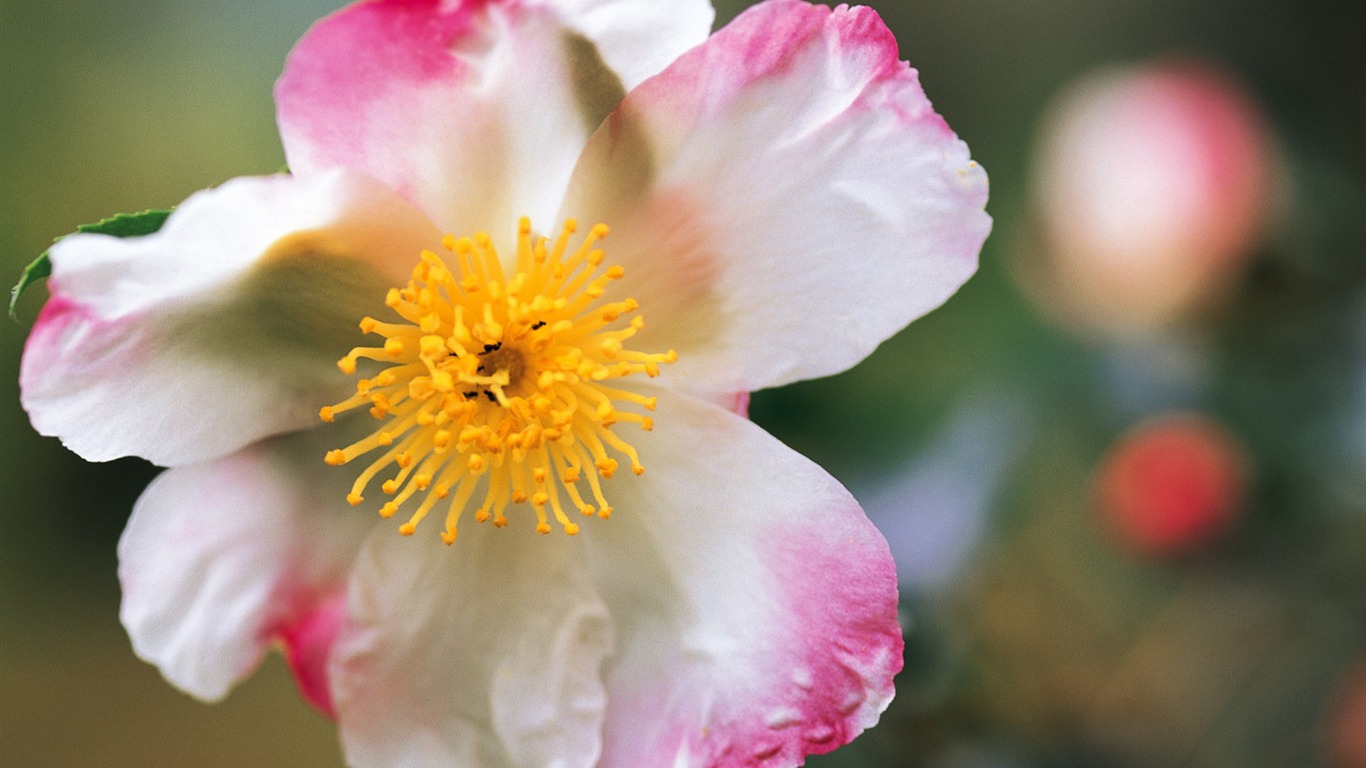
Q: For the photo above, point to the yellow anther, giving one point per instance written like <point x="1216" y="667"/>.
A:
<point x="354" y="499"/>
<point x="421" y="388"/>
<point x="432" y="347"/>
<point x="499" y="377"/>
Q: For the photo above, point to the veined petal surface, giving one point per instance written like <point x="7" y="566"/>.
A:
<point x="755" y="605"/>
<point x="783" y="198"/>
<point x="475" y="111"/>
<point x="221" y="328"/>
<point x="221" y="559"/>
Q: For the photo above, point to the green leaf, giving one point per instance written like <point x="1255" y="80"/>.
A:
<point x="38" y="269"/>
<point x="127" y="224"/>
<point x="120" y="225"/>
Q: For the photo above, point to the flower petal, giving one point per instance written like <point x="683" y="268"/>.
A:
<point x="223" y="327"/>
<point x="755" y="604"/>
<point x="220" y="559"/>
<point x="474" y="111"/>
<point x="483" y="653"/>
<point x="638" y="38"/>
<point x="783" y="198"/>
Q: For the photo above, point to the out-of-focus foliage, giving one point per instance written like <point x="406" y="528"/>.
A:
<point x="1038" y="635"/>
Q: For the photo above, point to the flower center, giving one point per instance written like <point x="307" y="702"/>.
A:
<point x="499" y="388"/>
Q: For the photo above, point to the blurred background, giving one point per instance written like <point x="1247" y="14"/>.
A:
<point x="1123" y="471"/>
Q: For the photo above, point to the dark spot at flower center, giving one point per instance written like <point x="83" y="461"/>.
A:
<point x="497" y="358"/>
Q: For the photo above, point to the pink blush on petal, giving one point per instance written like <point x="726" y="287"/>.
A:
<point x="62" y="338"/>
<point x="406" y="44"/>
<point x="835" y="678"/>
<point x="741" y="404"/>
<point x="56" y="314"/>
<point x="307" y="646"/>
<point x="846" y="608"/>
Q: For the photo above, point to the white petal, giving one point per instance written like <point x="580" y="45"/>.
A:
<point x="221" y="558"/>
<point x="223" y="327"/>
<point x="485" y="653"/>
<point x="475" y="112"/>
<point x="638" y="38"/>
<point x="783" y="198"/>
<point x="755" y="604"/>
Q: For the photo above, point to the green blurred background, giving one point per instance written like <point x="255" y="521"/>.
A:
<point x="1035" y="636"/>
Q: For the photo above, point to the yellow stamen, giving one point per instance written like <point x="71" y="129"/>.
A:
<point x="509" y="385"/>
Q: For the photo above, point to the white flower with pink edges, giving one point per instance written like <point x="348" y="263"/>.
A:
<point x="498" y="192"/>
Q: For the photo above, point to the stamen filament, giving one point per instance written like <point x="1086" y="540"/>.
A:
<point x="496" y="384"/>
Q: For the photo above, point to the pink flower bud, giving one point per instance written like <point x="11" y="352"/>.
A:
<point x="1171" y="484"/>
<point x="1151" y="188"/>
<point x="1346" y="727"/>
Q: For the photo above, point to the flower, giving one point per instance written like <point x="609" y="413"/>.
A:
<point x="776" y="199"/>
<point x="1172" y="483"/>
<point x="1152" y="189"/>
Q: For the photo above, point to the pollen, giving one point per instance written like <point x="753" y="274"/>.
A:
<point x="496" y="390"/>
